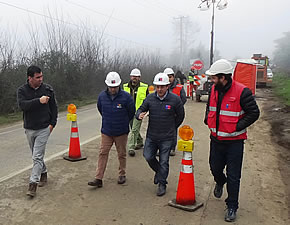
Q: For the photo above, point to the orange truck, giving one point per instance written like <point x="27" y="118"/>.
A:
<point x="262" y="64"/>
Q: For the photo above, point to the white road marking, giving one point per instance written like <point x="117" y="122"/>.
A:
<point x="46" y="160"/>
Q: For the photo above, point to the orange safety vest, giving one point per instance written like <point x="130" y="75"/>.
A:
<point x="230" y="113"/>
<point x="177" y="89"/>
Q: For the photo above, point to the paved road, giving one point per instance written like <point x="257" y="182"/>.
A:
<point x="14" y="151"/>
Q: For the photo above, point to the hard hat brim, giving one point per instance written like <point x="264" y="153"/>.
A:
<point x="210" y="73"/>
<point x="113" y="85"/>
<point x="161" y="83"/>
<point x="135" y="75"/>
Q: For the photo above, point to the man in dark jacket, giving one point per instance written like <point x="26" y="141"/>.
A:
<point x="231" y="108"/>
<point x="177" y="89"/>
<point x="166" y="113"/>
<point x="117" y="109"/>
<point x="37" y="101"/>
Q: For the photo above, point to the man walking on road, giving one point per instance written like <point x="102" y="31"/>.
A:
<point x="138" y="91"/>
<point x="177" y="89"/>
<point x="37" y="101"/>
<point x="231" y="108"/>
<point x="117" y="109"/>
<point x="166" y="113"/>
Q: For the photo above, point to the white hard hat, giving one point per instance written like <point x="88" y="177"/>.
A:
<point x="135" y="72"/>
<point x="168" y="71"/>
<point x="161" y="79"/>
<point x="113" y="79"/>
<point x="220" y="66"/>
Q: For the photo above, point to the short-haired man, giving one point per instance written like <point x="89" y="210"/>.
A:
<point x="166" y="113"/>
<point x="177" y="89"/>
<point x="231" y="108"/>
<point x="37" y="101"/>
<point x="117" y="109"/>
<point x="138" y="90"/>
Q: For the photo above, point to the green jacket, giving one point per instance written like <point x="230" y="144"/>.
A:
<point x="141" y="93"/>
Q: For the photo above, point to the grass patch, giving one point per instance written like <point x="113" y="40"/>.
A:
<point x="17" y="116"/>
<point x="281" y="85"/>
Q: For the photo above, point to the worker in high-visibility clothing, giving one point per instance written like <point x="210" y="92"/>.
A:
<point x="138" y="90"/>
<point x="177" y="89"/>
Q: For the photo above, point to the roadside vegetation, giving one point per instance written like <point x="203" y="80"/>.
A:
<point x="281" y="72"/>
<point x="74" y="62"/>
<point x="281" y="85"/>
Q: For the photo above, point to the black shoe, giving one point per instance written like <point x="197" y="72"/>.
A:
<point x="155" y="179"/>
<point x="121" y="179"/>
<point x="161" y="190"/>
<point x="131" y="153"/>
<point x="96" y="183"/>
<point x="139" y="146"/>
<point x="218" y="191"/>
<point x="231" y="215"/>
<point x="172" y="152"/>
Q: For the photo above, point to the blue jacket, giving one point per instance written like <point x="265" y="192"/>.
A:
<point x="116" y="112"/>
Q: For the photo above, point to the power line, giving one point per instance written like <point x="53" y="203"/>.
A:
<point x="73" y="24"/>
<point x="111" y="17"/>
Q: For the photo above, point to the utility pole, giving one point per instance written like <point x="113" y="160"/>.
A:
<point x="181" y="37"/>
<point x="211" y="36"/>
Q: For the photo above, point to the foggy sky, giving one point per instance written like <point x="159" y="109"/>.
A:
<point x="243" y="28"/>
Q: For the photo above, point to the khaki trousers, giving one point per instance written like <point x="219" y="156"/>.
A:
<point x="106" y="145"/>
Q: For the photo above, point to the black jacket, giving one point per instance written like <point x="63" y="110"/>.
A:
<point x="165" y="116"/>
<point x="36" y="115"/>
<point x="248" y="104"/>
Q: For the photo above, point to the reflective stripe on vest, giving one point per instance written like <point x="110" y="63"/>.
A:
<point x="141" y="93"/>
<point x="229" y="114"/>
<point x="177" y="89"/>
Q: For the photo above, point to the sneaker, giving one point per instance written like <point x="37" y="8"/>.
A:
<point x="139" y="146"/>
<point x="131" y="153"/>
<point x="43" y="180"/>
<point x="155" y="179"/>
<point x="218" y="191"/>
<point x="31" y="189"/>
<point x="157" y="154"/>
<point x="161" y="190"/>
<point x="96" y="183"/>
<point x="121" y="179"/>
<point x="231" y="215"/>
<point x="172" y="152"/>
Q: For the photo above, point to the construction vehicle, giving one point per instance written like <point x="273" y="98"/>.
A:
<point x="263" y="63"/>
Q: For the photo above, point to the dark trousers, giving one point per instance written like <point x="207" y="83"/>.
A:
<point x="229" y="155"/>
<point x="160" y="167"/>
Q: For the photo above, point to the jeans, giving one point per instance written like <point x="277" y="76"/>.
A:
<point x="161" y="167"/>
<point x="231" y="156"/>
<point x="37" y="140"/>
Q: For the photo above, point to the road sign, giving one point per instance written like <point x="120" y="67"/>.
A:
<point x="197" y="65"/>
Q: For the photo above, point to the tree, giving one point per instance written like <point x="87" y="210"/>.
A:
<point x="282" y="53"/>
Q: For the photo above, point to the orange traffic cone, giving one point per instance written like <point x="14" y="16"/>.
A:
<point x="74" y="145"/>
<point x="185" y="196"/>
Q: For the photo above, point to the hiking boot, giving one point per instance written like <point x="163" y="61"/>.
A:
<point x="161" y="190"/>
<point x="96" y="183"/>
<point x="155" y="181"/>
<point x="172" y="153"/>
<point x="43" y="180"/>
<point x="139" y="146"/>
<point x="32" y="189"/>
<point x="121" y="179"/>
<point x="131" y="153"/>
<point x="218" y="191"/>
<point x="231" y="215"/>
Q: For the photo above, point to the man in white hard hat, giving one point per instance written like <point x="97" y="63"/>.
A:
<point x="117" y="109"/>
<point x="166" y="113"/>
<point x="138" y="90"/>
<point x="231" y="108"/>
<point x="177" y="89"/>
